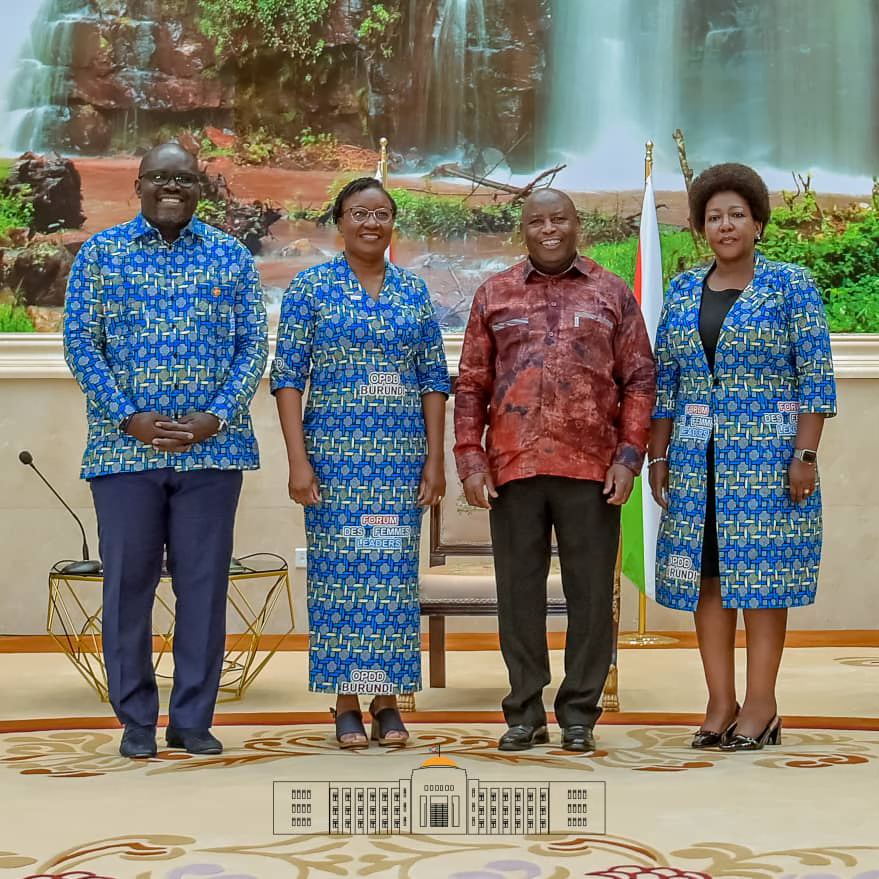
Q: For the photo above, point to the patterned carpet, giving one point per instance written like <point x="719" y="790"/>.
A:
<point x="72" y="807"/>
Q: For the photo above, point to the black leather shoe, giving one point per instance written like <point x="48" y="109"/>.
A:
<point x="578" y="738"/>
<point x="521" y="738"/>
<point x="196" y="741"/>
<point x="771" y="735"/>
<point x="138" y="742"/>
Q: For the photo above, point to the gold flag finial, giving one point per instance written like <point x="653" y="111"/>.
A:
<point x="648" y="159"/>
<point x="383" y="160"/>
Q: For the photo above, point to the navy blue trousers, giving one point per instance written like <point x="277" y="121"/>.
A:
<point x="192" y="514"/>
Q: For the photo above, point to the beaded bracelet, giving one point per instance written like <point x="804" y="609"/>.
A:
<point x="653" y="461"/>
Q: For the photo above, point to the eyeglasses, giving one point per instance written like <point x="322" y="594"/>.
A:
<point x="163" y="178"/>
<point x="380" y="215"/>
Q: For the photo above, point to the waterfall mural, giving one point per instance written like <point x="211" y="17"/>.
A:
<point x="459" y="57"/>
<point x="784" y="85"/>
<point x="15" y="42"/>
<point x="284" y="100"/>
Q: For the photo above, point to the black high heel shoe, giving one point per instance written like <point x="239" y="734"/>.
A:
<point x="704" y="738"/>
<point x="770" y="736"/>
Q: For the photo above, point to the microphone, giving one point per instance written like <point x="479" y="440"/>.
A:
<point x="86" y="566"/>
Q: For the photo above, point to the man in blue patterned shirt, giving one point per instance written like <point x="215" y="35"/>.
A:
<point x="165" y="330"/>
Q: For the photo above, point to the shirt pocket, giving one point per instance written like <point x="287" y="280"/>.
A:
<point x="511" y="336"/>
<point x="587" y="339"/>
<point x="213" y="310"/>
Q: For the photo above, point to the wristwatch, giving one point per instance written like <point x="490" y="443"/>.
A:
<point x="807" y="456"/>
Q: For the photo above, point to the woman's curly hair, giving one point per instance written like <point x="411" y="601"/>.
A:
<point x="729" y="177"/>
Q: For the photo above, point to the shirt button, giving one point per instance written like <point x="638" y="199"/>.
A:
<point x="554" y="304"/>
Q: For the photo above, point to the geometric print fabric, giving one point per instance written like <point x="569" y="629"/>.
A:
<point x="366" y="364"/>
<point x="773" y="362"/>
<point x="173" y="328"/>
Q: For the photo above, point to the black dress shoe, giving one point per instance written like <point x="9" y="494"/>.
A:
<point x="771" y="735"/>
<point x="578" y="738"/>
<point x="706" y="738"/>
<point x="521" y="738"/>
<point x="138" y="742"/>
<point x="196" y="741"/>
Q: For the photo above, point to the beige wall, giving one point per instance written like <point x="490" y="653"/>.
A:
<point x="41" y="409"/>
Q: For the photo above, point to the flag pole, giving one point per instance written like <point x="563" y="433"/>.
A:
<point x="643" y="638"/>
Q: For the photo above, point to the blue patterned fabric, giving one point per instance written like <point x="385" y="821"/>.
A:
<point x="773" y="362"/>
<point x="368" y="363"/>
<point x="169" y="328"/>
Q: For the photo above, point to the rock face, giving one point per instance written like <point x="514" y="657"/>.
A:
<point x="111" y="73"/>
<point x="38" y="273"/>
<point x="115" y="74"/>
<point x="56" y="191"/>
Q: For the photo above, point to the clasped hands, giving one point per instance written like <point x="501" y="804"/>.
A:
<point x="166" y="434"/>
<point x="479" y="488"/>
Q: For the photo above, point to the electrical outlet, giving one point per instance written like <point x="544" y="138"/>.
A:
<point x="301" y="556"/>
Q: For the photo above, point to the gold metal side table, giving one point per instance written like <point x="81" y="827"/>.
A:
<point x="259" y="594"/>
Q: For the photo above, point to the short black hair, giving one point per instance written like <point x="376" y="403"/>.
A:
<point x="355" y="186"/>
<point x="729" y="177"/>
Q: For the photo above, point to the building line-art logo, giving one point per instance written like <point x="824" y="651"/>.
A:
<point x="439" y="798"/>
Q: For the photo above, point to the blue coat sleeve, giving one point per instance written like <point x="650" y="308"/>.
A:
<point x="84" y="337"/>
<point x="810" y="345"/>
<point x="430" y="365"/>
<point x="292" y="364"/>
<point x="667" y="367"/>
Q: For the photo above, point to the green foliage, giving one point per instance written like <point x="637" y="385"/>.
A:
<point x="597" y="227"/>
<point x="840" y="248"/>
<point x="423" y="215"/>
<point x="15" y="211"/>
<point x="854" y="309"/>
<point x="259" y="147"/>
<point x="309" y="138"/>
<point x="211" y="212"/>
<point x="678" y="253"/>
<point x="378" y="29"/>
<point x="14" y="319"/>
<point x="209" y="151"/>
<point x="5" y="168"/>
<point x="247" y="26"/>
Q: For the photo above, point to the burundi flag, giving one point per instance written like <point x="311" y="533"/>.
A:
<point x="641" y="513"/>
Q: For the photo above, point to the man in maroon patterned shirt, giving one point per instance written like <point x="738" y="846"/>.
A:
<point x="556" y="363"/>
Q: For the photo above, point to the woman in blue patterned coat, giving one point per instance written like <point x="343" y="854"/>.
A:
<point x="744" y="383"/>
<point x="365" y="459"/>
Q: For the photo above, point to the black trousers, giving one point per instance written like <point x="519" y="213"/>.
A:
<point x="587" y="531"/>
<point x="139" y="515"/>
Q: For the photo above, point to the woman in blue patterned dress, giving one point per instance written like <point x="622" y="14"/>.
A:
<point x="365" y="459"/>
<point x="744" y="383"/>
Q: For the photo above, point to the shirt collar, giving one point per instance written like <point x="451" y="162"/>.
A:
<point x="141" y="227"/>
<point x="581" y="265"/>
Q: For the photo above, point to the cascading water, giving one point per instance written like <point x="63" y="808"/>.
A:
<point x="787" y="85"/>
<point x="36" y="96"/>
<point x="43" y="96"/>
<point x="16" y="24"/>
<point x="458" y="56"/>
